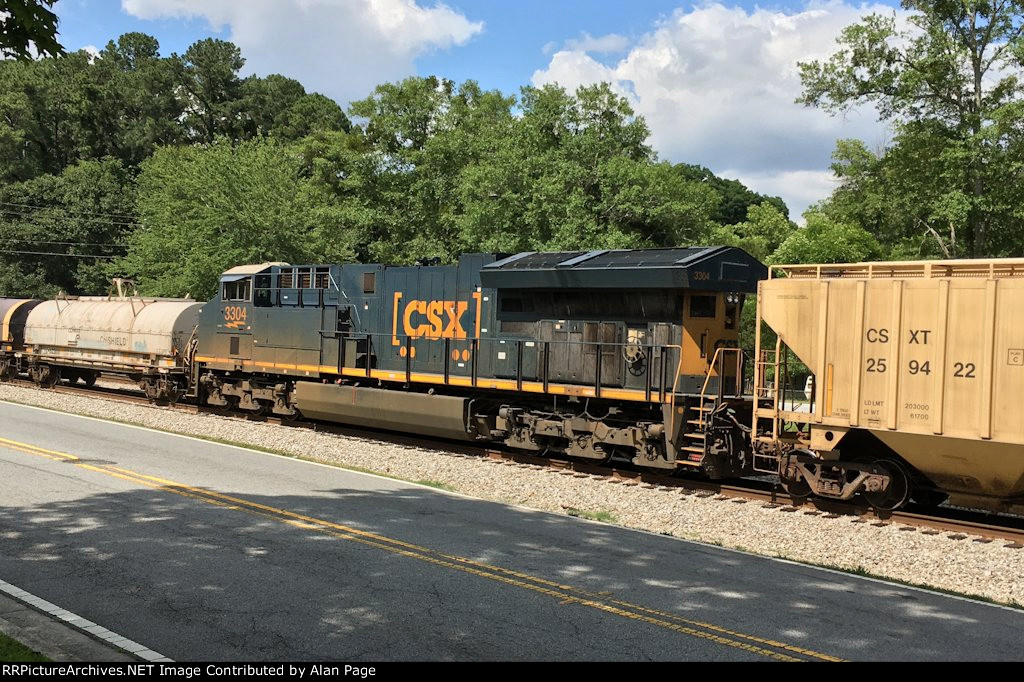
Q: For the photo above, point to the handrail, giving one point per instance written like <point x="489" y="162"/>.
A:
<point x="665" y="391"/>
<point x="979" y="267"/>
<point x="719" y="360"/>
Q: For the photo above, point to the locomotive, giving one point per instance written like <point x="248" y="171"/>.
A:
<point x="628" y="355"/>
<point x="594" y="355"/>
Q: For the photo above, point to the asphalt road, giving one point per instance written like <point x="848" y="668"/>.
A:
<point x="208" y="552"/>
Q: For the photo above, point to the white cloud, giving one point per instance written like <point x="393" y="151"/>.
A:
<point x="717" y="86"/>
<point x="342" y="48"/>
<point x="613" y="42"/>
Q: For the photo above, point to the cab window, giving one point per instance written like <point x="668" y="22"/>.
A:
<point x="263" y="297"/>
<point x="703" y="306"/>
<point x="238" y="290"/>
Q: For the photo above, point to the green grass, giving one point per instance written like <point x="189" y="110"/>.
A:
<point x="600" y="515"/>
<point x="436" y="484"/>
<point x="12" y="651"/>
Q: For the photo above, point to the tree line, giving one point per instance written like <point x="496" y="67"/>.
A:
<point x="172" y="169"/>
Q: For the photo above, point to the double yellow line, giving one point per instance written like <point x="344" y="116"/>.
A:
<point x="565" y="594"/>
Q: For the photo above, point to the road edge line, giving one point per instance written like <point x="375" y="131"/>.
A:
<point x="83" y="625"/>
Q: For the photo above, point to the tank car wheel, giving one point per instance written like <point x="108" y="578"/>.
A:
<point x="47" y="376"/>
<point x="151" y="390"/>
<point x="898" y="492"/>
<point x="89" y="378"/>
<point x="7" y="371"/>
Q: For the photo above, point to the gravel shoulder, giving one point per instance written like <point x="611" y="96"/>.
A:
<point x="988" y="570"/>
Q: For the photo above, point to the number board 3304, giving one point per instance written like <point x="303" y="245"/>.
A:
<point x="235" y="316"/>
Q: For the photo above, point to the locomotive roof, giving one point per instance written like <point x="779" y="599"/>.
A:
<point x="252" y="269"/>
<point x="715" y="268"/>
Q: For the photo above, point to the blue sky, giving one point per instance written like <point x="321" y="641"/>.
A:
<point x="715" y="81"/>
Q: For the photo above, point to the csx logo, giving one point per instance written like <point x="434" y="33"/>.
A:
<point x="235" y="316"/>
<point x="432" y="319"/>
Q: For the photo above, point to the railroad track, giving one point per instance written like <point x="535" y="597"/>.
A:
<point x="956" y="523"/>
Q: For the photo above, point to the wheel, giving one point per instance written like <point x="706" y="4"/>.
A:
<point x="796" y="487"/>
<point x="173" y="394"/>
<point x="47" y="376"/>
<point x="898" y="492"/>
<point x="89" y="378"/>
<point x="151" y="389"/>
<point x="231" y="406"/>
<point x="293" y="417"/>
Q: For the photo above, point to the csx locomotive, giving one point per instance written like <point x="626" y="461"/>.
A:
<point x="625" y="354"/>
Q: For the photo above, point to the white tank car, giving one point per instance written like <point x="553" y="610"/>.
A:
<point x="147" y="339"/>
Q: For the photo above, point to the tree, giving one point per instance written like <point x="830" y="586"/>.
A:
<point x="419" y="137"/>
<point x="28" y="24"/>
<point x="61" y="231"/>
<point x="735" y="197"/>
<point x="209" y="78"/>
<point x="574" y="172"/>
<point x="280" y="106"/>
<point x="133" y="103"/>
<point x="56" y="112"/>
<point x="311" y="113"/>
<point x="824" y="240"/>
<point x="764" y="231"/>
<point x="444" y="169"/>
<point x="208" y="208"/>
<point x="950" y="83"/>
<point x="42" y="107"/>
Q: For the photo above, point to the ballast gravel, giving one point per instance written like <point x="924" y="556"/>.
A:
<point x="987" y="569"/>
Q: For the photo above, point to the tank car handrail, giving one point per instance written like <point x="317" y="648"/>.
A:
<point x="978" y="267"/>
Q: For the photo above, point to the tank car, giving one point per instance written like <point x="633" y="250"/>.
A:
<point x="146" y="339"/>
<point x="919" y="372"/>
<point x="13" y="312"/>
<point x="595" y="354"/>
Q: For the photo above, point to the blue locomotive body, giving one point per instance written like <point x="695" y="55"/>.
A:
<point x="520" y="349"/>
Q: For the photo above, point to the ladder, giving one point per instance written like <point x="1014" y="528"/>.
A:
<point x="769" y="397"/>
<point x="699" y="413"/>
